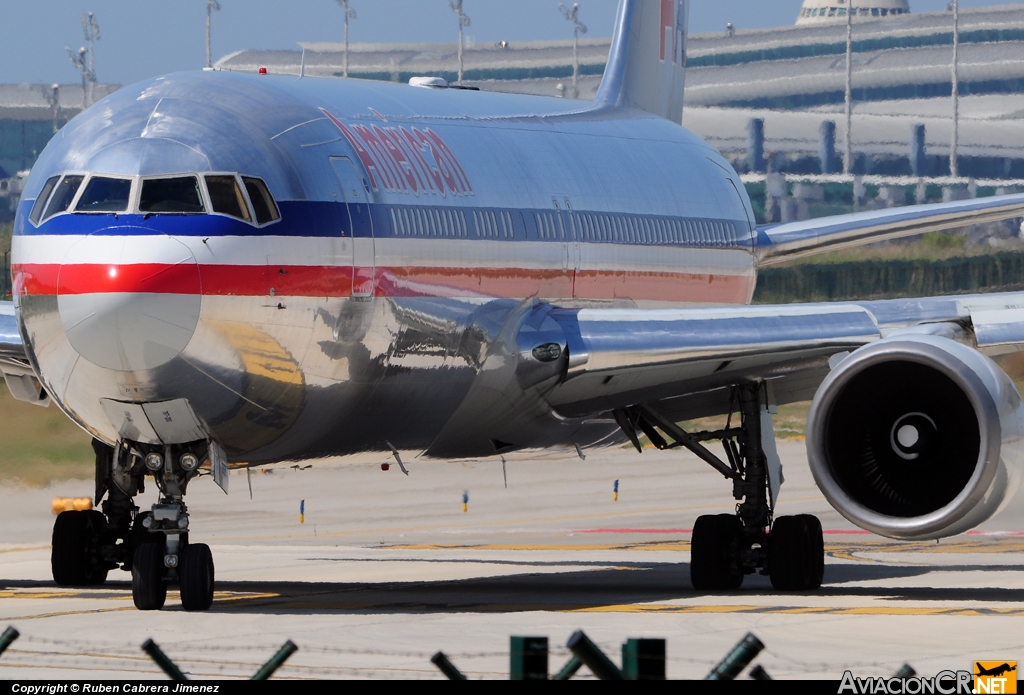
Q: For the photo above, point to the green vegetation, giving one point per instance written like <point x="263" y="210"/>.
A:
<point x="39" y="446"/>
<point x="936" y="266"/>
<point x="938" y="246"/>
<point x="791" y="420"/>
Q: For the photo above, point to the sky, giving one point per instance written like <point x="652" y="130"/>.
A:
<point x="146" y="38"/>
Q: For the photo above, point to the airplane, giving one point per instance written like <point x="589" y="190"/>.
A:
<point x="996" y="672"/>
<point x="214" y="269"/>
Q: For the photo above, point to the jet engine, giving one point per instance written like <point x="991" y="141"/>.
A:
<point x="917" y="437"/>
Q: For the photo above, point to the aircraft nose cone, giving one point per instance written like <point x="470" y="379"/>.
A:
<point x="129" y="303"/>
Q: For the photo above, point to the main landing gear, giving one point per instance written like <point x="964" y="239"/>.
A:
<point x="727" y="547"/>
<point x="152" y="545"/>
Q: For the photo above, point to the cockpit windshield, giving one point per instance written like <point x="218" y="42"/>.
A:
<point x="63" y="195"/>
<point x="244" y="198"/>
<point x="104" y="194"/>
<point x="179" y="195"/>
<point x="226" y="197"/>
<point x="262" y="201"/>
<point x="36" y="215"/>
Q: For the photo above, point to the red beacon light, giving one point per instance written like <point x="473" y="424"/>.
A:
<point x="263" y="71"/>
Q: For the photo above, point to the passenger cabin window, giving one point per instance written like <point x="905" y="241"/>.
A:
<point x="103" y="194"/>
<point x="37" y="210"/>
<point x="428" y="222"/>
<point x="63" y="195"/>
<point x="177" y="196"/>
<point x="226" y="197"/>
<point x="262" y="202"/>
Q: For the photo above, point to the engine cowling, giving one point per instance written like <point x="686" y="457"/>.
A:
<point x="917" y="437"/>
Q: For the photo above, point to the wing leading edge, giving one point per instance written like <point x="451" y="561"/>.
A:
<point x="18" y="373"/>
<point x="623" y="357"/>
<point x="791" y="240"/>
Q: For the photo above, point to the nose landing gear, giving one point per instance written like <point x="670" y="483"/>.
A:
<point x="153" y="545"/>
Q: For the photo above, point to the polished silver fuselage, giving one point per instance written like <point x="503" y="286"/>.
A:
<point x="423" y="233"/>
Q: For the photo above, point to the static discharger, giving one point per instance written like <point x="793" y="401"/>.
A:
<point x="71" y="504"/>
<point x="465" y="502"/>
<point x="615" y="492"/>
<point x="302" y="512"/>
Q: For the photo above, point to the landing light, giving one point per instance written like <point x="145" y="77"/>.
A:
<point x="188" y="462"/>
<point x="154" y="462"/>
<point x="113" y="272"/>
<point x="547" y="353"/>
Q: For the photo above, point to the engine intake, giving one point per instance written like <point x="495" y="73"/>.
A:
<point x="917" y="437"/>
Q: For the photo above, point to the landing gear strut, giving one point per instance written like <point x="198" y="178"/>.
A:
<point x="726" y="547"/>
<point x="152" y="545"/>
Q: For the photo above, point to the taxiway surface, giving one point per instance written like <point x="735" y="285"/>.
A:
<point x="388" y="569"/>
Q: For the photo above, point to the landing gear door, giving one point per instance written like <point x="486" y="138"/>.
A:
<point x="358" y="205"/>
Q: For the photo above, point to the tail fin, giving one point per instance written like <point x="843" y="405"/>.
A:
<point x="647" y="65"/>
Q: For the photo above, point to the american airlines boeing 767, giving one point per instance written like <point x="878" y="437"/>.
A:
<point x="213" y="269"/>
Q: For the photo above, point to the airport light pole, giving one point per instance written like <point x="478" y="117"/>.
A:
<point x="954" y="163"/>
<point x="85" y="58"/>
<point x="848" y="149"/>
<point x="349" y="14"/>
<point x="579" y="27"/>
<point x="211" y="5"/>
<point x="464" y="22"/>
<point x="53" y="97"/>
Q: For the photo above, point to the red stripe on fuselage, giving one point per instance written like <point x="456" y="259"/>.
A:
<point x="336" y="281"/>
<point x="211" y="280"/>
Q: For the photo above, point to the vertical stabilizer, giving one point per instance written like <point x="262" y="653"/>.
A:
<point x="647" y="65"/>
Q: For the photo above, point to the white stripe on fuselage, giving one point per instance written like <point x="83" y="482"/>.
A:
<point x="390" y="252"/>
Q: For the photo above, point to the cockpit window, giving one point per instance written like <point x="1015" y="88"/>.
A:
<point x="44" y="195"/>
<point x="171" y="196"/>
<point x="262" y="202"/>
<point x="104" y="194"/>
<point x="226" y="197"/>
<point x="63" y="195"/>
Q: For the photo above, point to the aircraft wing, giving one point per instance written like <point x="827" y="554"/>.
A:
<point x="620" y="358"/>
<point x="11" y="345"/>
<point x="784" y="242"/>
<point x="18" y="373"/>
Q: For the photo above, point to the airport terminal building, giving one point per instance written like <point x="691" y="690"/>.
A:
<point x="791" y="78"/>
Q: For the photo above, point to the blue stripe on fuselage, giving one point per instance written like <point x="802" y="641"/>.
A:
<point x="316" y="219"/>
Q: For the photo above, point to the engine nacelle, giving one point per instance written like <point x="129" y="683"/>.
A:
<point x="917" y="437"/>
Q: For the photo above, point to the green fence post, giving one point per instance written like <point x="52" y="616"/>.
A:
<point x="276" y="661"/>
<point x="643" y="659"/>
<point x="10" y="634"/>
<point x="569" y="670"/>
<point x="528" y="659"/>
<point x="447" y="667"/>
<point x="736" y="660"/>
<point x="591" y="655"/>
<point x="169" y="667"/>
<point x="759" y="674"/>
<point x="906" y="671"/>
